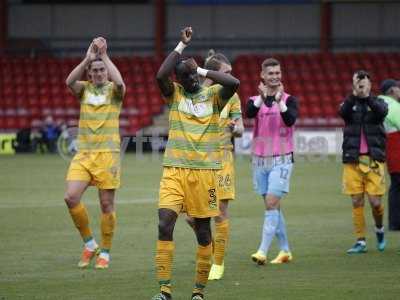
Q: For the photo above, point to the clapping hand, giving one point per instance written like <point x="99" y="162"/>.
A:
<point x="100" y="45"/>
<point x="361" y="87"/>
<point x="91" y="53"/>
<point x="265" y="91"/>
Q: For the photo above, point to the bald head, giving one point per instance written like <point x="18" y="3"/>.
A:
<point x="187" y="77"/>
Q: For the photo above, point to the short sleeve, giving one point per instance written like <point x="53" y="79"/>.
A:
<point x="394" y="115"/>
<point x="172" y="98"/>
<point x="214" y="94"/>
<point x="235" y="112"/>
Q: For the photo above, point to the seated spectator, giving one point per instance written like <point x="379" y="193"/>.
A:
<point x="50" y="133"/>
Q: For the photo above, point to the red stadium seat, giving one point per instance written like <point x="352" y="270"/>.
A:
<point x="23" y="122"/>
<point x="319" y="80"/>
<point x="134" y="124"/>
<point x="10" y="123"/>
<point x="34" y="113"/>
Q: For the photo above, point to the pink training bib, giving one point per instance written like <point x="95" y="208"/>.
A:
<point x="271" y="136"/>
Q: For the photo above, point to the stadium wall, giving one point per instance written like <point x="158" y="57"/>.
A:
<point x="245" y="28"/>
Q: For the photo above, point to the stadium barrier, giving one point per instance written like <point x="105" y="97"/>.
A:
<point x="319" y="142"/>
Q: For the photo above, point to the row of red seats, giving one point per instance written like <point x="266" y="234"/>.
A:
<point x="319" y="81"/>
<point x="35" y="88"/>
<point x="127" y="125"/>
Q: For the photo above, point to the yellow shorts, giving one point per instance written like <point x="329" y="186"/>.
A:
<point x="101" y="169"/>
<point x="359" y="178"/>
<point x="191" y="190"/>
<point x="226" y="178"/>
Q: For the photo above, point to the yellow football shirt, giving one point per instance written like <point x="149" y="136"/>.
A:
<point x="194" y="131"/>
<point x="231" y="111"/>
<point x="99" y="118"/>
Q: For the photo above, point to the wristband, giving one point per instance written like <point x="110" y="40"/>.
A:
<point x="258" y="102"/>
<point x="202" y="72"/>
<point x="282" y="106"/>
<point x="179" y="48"/>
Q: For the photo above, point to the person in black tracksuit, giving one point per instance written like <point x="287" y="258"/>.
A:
<point x="364" y="157"/>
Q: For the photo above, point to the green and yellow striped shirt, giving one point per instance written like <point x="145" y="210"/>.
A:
<point x="99" y="118"/>
<point x="194" y="131"/>
<point x="231" y="111"/>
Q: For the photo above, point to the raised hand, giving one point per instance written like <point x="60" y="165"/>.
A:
<point x="279" y="93"/>
<point x="100" y="44"/>
<point x="262" y="90"/>
<point x="186" y="35"/>
<point x="91" y="53"/>
<point x="361" y="87"/>
<point x="231" y="125"/>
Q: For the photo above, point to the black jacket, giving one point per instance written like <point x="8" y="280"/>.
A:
<point x="289" y="117"/>
<point x="368" y="114"/>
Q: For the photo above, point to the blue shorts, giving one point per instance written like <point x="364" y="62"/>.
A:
<point x="272" y="178"/>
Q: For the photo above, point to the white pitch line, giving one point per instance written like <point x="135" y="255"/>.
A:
<point x="89" y="203"/>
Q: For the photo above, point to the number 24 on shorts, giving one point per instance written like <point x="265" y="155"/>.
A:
<point x="224" y="181"/>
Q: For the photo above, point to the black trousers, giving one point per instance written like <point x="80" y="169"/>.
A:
<point x="394" y="202"/>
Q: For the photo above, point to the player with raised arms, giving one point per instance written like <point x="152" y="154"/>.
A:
<point x="97" y="160"/>
<point x="191" y="160"/>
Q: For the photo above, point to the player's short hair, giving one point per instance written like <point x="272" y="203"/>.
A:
<point x="90" y="64"/>
<point x="214" y="60"/>
<point x="270" y="62"/>
<point x="361" y="74"/>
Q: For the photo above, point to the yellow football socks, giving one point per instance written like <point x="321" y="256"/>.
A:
<point x="164" y="258"/>
<point x="359" y="222"/>
<point x="203" y="265"/>
<point x="377" y="212"/>
<point x="108" y="221"/>
<point x="221" y="241"/>
<point x="80" y="217"/>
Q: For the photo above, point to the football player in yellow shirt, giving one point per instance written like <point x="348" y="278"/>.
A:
<point x="97" y="160"/>
<point x="231" y="125"/>
<point x="191" y="160"/>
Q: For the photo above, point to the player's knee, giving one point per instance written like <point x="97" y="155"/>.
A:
<point x="107" y="206"/>
<point x="272" y="204"/>
<point x="71" y="200"/>
<point x="375" y="202"/>
<point x="222" y="217"/>
<point x="203" y="236"/>
<point x="165" y="230"/>
<point x="358" y="201"/>
<point x="223" y="211"/>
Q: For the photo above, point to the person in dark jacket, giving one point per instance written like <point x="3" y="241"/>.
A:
<point x="364" y="156"/>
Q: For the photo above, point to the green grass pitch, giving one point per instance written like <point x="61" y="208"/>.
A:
<point x="39" y="247"/>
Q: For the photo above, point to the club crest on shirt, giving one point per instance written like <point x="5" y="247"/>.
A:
<point x="95" y="100"/>
<point x="202" y="98"/>
<point x="199" y="110"/>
